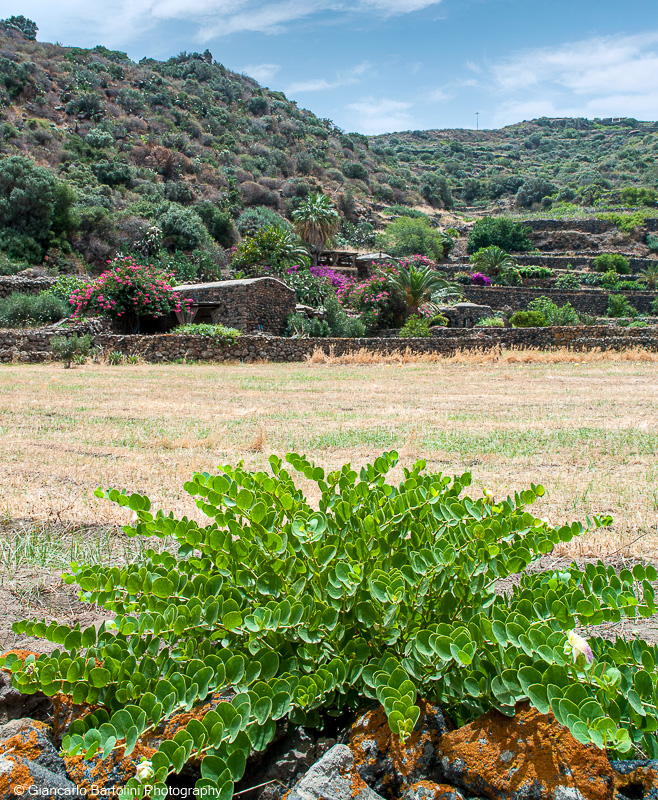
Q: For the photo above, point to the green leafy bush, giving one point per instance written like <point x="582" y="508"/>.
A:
<point x="65" y="286"/>
<point x="207" y="329"/>
<point x="612" y="261"/>
<point x="35" y="209"/>
<point x="9" y="266"/>
<point x="20" y="310"/>
<point x="381" y="591"/>
<point x="502" y="232"/>
<point x="270" y="247"/>
<point x="654" y="307"/>
<point x="528" y="319"/>
<point x="182" y="229"/>
<point x="416" y="327"/>
<point x="408" y="236"/>
<point x="535" y="272"/>
<point x="554" y="314"/>
<point x="20" y="23"/>
<point x="490" y="322"/>
<point x="71" y="348"/>
<point x="625" y="222"/>
<point x="336" y="323"/>
<point x="619" y="306"/>
<point x="652" y="242"/>
<point x="256" y="217"/>
<point x="568" y="281"/>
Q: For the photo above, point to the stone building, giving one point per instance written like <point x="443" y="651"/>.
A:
<point x="251" y="304"/>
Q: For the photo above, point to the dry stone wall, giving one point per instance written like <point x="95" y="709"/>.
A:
<point x="589" y="301"/>
<point x="18" y="283"/>
<point x="34" y="345"/>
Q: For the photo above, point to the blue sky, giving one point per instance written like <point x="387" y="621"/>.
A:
<point x="376" y="66"/>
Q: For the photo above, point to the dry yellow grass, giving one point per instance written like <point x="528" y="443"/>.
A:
<point x="583" y="424"/>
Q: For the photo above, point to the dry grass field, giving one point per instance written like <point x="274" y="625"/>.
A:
<point x="585" y="426"/>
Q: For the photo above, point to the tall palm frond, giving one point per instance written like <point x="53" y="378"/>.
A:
<point x="316" y="220"/>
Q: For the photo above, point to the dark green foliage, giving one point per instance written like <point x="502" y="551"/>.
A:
<point x="20" y="310"/>
<point x="10" y="266"/>
<point x="71" y="347"/>
<point x="182" y="228"/>
<point x="353" y="169"/>
<point x="633" y="196"/>
<point x="260" y="217"/>
<point x="220" y="332"/>
<point x="435" y="189"/>
<point x="612" y="261"/>
<point x="179" y="192"/>
<point x="35" y="209"/>
<point x="99" y="138"/>
<point x="502" y="232"/>
<point x="406" y="237"/>
<point x="87" y="106"/>
<point x="534" y="191"/>
<point x="652" y="242"/>
<point x="219" y="223"/>
<point x="257" y="106"/>
<point x="15" y="77"/>
<point x="619" y="306"/>
<point x="403" y="211"/>
<point x="20" y="23"/>
<point x="568" y="281"/>
<point x="130" y="100"/>
<point x="528" y="319"/>
<point x="113" y="173"/>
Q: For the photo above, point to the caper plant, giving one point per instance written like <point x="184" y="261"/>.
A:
<point x="381" y="593"/>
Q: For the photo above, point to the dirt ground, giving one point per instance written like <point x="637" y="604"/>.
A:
<point x="586" y="429"/>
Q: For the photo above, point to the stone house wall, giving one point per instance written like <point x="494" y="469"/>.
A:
<point x="253" y="304"/>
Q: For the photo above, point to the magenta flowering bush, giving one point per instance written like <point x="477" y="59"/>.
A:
<point x="374" y="297"/>
<point x="416" y="261"/>
<point x="128" y="291"/>
<point x="480" y="279"/>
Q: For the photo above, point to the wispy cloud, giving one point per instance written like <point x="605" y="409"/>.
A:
<point x="128" y="19"/>
<point x="342" y="78"/>
<point x="596" y="77"/>
<point x="380" y="116"/>
<point x="263" y="73"/>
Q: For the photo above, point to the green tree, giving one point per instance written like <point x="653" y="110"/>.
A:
<point x="35" y="209"/>
<point x="316" y="220"/>
<point x="408" y="237"/>
<point x="182" y="229"/>
<point x="20" y="23"/>
<point x="436" y="190"/>
<point x="501" y="231"/>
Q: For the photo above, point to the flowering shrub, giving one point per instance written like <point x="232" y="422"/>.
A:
<point x="374" y="297"/>
<point x="128" y="291"/>
<point x="479" y="279"/>
<point x="375" y="591"/>
<point x="312" y="284"/>
<point x="417" y="261"/>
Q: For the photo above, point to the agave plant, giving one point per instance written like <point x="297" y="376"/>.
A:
<point x="316" y="221"/>
<point x="493" y="261"/>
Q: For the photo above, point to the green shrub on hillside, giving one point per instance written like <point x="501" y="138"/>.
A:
<point x="554" y="314"/>
<point x="71" y="347"/>
<point x="378" y="591"/>
<point x="619" y="306"/>
<point x="406" y="237"/>
<point x="501" y="232"/>
<point x="612" y="261"/>
<point x="528" y="319"/>
<point x="568" y="281"/>
<point x="416" y="327"/>
<point x="20" y="310"/>
<point x="212" y="330"/>
<point x="35" y="209"/>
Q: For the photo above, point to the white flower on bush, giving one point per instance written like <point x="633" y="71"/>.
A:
<point x="578" y="648"/>
<point x="144" y="772"/>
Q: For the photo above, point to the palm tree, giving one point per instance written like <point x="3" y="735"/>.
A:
<point x="493" y="261"/>
<point x="417" y="285"/>
<point x="650" y="275"/>
<point x="316" y="221"/>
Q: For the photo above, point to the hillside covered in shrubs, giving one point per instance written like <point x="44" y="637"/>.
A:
<point x="101" y="155"/>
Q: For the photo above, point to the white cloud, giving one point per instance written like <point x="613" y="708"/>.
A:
<point x="343" y="78"/>
<point x="263" y="73"/>
<point x="597" y="77"/>
<point x="380" y="116"/>
<point x="123" y="20"/>
<point x="438" y="96"/>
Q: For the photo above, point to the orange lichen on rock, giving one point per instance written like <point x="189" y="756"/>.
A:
<point x="498" y="756"/>
<point x="26" y="744"/>
<point x="384" y="761"/>
<point x="17" y="776"/>
<point x="65" y="711"/>
<point x="640" y="782"/>
<point x="20" y="654"/>
<point x="428" y="790"/>
<point x="96" y="774"/>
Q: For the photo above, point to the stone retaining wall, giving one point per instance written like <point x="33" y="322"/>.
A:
<point x="34" y="345"/>
<point x="17" y="283"/>
<point x="589" y="301"/>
